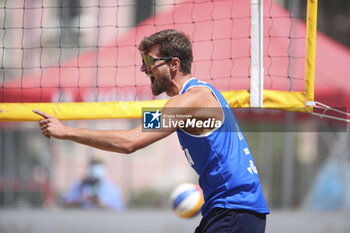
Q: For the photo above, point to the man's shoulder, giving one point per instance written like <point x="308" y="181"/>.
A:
<point x="196" y="96"/>
<point x="191" y="98"/>
<point x="108" y="183"/>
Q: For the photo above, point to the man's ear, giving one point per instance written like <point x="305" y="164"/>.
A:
<point x="175" y="64"/>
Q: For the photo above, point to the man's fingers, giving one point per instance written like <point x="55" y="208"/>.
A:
<point x="44" y="122"/>
<point x="44" y="127"/>
<point x="41" y="113"/>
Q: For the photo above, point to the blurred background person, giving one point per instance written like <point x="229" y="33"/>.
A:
<point x="94" y="191"/>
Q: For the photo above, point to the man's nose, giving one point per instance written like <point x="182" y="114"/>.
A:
<point x="143" y="68"/>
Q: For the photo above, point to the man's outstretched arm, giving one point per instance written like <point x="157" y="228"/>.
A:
<point x="121" y="141"/>
<point x="128" y="141"/>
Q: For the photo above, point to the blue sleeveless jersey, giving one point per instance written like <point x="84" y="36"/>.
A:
<point x="222" y="159"/>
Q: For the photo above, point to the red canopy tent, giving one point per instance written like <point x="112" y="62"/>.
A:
<point x="221" y="44"/>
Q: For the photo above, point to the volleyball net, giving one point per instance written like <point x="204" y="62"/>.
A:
<point x="79" y="59"/>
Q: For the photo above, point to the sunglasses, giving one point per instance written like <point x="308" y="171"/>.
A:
<point x="150" y="61"/>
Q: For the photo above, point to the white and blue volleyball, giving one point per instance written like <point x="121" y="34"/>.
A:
<point x="187" y="200"/>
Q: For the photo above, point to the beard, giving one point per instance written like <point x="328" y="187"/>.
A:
<point x="161" y="85"/>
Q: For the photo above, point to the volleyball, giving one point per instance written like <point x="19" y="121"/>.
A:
<point x="187" y="200"/>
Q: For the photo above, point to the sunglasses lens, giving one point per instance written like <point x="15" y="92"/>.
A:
<point x="147" y="60"/>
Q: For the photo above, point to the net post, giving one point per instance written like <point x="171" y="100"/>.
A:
<point x="257" y="70"/>
<point x="310" y="51"/>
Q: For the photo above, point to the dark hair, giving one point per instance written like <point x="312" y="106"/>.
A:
<point x="172" y="44"/>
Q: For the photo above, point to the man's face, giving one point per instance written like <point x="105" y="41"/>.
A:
<point x="97" y="171"/>
<point x="159" y="72"/>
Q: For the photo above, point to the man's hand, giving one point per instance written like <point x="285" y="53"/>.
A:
<point x="51" y="126"/>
